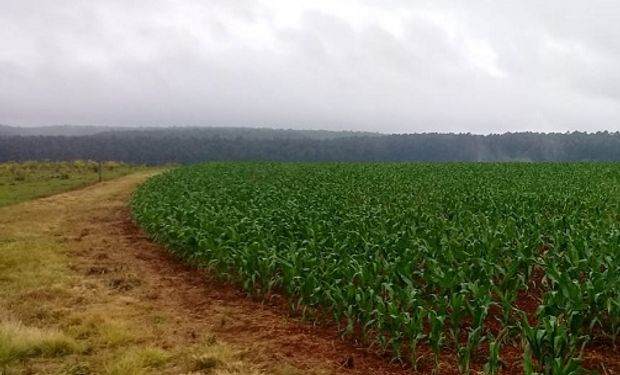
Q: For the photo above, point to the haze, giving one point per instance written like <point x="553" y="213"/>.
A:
<point x="388" y="66"/>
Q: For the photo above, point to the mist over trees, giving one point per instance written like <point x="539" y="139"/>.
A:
<point x="190" y="145"/>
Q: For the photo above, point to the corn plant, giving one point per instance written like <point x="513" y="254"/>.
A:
<point x="402" y="256"/>
<point x="556" y="351"/>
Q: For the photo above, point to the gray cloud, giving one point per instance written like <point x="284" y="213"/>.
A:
<point x="391" y="66"/>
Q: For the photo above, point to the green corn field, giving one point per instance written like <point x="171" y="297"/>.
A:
<point x="420" y="261"/>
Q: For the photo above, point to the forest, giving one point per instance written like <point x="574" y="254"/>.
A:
<point x="190" y="145"/>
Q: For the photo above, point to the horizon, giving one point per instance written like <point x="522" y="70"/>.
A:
<point x="164" y="127"/>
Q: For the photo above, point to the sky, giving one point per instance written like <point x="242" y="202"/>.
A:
<point x="392" y="66"/>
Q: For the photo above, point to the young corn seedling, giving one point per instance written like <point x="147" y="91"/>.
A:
<point x="494" y="363"/>
<point x="436" y="335"/>
<point x="555" y="349"/>
<point x="465" y="352"/>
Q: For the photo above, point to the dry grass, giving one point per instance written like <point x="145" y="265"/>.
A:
<point x="138" y="362"/>
<point x="215" y="358"/>
<point x="57" y="316"/>
<point x="104" y="331"/>
<point x="19" y="342"/>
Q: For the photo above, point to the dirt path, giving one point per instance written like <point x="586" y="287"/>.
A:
<point x="123" y="296"/>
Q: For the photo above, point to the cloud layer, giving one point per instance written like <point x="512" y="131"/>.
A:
<point x="392" y="66"/>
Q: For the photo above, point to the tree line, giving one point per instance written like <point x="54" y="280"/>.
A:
<point x="175" y="146"/>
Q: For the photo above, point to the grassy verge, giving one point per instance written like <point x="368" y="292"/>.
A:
<point x="23" y="181"/>
<point x="60" y="314"/>
<point x="33" y="283"/>
<point x="19" y="342"/>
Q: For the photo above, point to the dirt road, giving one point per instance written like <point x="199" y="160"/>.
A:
<point x="75" y="263"/>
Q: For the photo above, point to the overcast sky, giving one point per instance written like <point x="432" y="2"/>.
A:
<point x="382" y="65"/>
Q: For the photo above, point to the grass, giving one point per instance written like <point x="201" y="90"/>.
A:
<point x="138" y="362"/>
<point x="20" y="262"/>
<point x="23" y="181"/>
<point x="57" y="318"/>
<point x="214" y="358"/>
<point x="34" y="285"/>
<point x="19" y="342"/>
<point x="107" y="329"/>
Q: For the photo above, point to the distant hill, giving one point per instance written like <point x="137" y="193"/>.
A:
<point x="56" y="130"/>
<point x="179" y="132"/>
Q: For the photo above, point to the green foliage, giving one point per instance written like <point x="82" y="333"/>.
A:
<point x="554" y="346"/>
<point x="34" y="179"/>
<point x="408" y="254"/>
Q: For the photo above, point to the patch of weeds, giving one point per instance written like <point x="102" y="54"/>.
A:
<point x="76" y="369"/>
<point x="218" y="359"/>
<point x="124" y="283"/>
<point x="100" y="331"/>
<point x="19" y="342"/>
<point x="138" y="362"/>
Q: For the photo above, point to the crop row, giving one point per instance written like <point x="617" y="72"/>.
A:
<point x="462" y="258"/>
